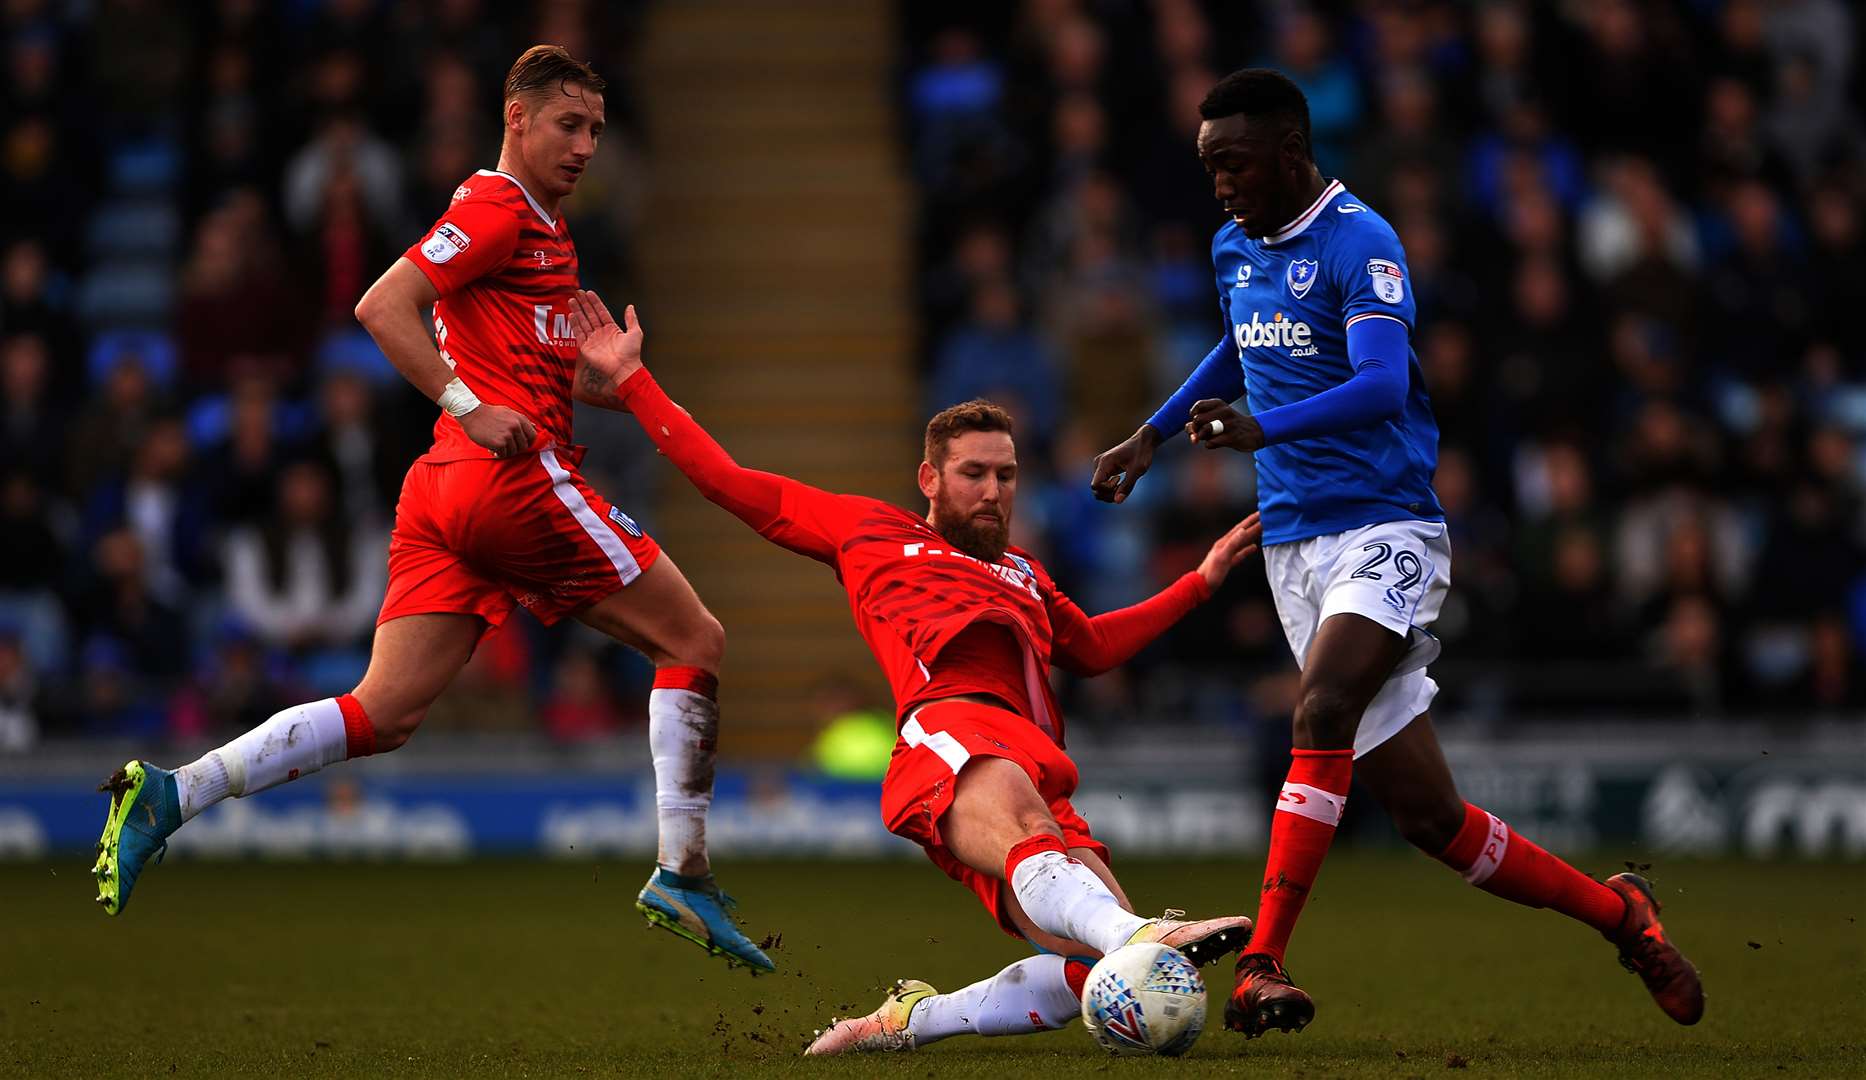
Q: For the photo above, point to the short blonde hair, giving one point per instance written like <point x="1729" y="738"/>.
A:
<point x="543" y="68"/>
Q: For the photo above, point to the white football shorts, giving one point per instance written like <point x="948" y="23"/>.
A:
<point x="1395" y="573"/>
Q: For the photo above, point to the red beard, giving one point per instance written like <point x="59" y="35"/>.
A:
<point x="981" y="538"/>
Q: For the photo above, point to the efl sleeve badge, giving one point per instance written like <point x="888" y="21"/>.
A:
<point x="446" y="242"/>
<point x="1389" y="280"/>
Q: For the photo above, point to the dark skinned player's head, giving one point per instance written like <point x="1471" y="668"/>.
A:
<point x="1254" y="143"/>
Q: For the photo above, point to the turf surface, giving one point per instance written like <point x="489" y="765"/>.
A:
<point x="544" y="969"/>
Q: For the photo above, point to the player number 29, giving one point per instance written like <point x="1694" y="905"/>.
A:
<point x="1410" y="568"/>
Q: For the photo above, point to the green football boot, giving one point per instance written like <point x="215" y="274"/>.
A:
<point x="144" y="811"/>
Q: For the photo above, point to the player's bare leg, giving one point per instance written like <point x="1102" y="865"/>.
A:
<point x="1038" y="993"/>
<point x="1408" y="774"/>
<point x="661" y="616"/>
<point x="1049" y="942"/>
<point x="1223" y="935"/>
<point x="1348" y="662"/>
<point x="412" y="661"/>
<point x="999" y="825"/>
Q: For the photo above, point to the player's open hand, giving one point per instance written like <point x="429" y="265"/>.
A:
<point x="1231" y="549"/>
<point x="1215" y="425"/>
<point x="1119" y="468"/>
<point x="504" y="431"/>
<point x="607" y="352"/>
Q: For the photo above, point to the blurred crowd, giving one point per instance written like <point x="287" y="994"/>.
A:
<point x="1635" y="234"/>
<point x="1636" y="240"/>
<point x="199" y="448"/>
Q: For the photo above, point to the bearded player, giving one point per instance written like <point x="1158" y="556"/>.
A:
<point x="493" y="516"/>
<point x="965" y="628"/>
<point x="1313" y="286"/>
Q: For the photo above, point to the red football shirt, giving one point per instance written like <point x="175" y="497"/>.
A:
<point x="505" y="271"/>
<point x="910" y="593"/>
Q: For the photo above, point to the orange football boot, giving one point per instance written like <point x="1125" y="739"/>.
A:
<point x="1648" y="953"/>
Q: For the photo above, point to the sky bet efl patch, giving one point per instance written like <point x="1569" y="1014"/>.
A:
<point x="446" y="242"/>
<point x="1389" y="280"/>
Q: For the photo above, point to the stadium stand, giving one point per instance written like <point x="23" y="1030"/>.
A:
<point x="1629" y="227"/>
<point x="1638" y="287"/>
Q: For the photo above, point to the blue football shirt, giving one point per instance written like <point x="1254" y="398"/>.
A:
<point x="1288" y="299"/>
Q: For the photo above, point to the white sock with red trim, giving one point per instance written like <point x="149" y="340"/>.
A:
<point x="1066" y="898"/>
<point x="1030" y="995"/>
<point x="291" y="743"/>
<point x="683" y="735"/>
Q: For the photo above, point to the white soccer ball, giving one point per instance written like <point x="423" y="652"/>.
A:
<point x="1144" y="999"/>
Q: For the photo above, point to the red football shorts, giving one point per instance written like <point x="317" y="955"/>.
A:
<point x="936" y="742"/>
<point x="480" y="536"/>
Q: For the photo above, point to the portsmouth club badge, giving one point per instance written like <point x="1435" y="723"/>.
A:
<point x="1301" y="275"/>
<point x="1389" y="280"/>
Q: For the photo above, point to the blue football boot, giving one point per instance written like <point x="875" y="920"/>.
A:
<point x="144" y="810"/>
<point x="694" y="908"/>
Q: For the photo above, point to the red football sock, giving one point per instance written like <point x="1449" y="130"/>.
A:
<point x="359" y="735"/>
<point x="1027" y="847"/>
<point x="1307" y="811"/>
<point x="1493" y="857"/>
<point x="698" y="680"/>
<point x="1075" y="973"/>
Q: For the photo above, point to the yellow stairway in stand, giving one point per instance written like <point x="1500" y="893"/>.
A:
<point x="775" y="263"/>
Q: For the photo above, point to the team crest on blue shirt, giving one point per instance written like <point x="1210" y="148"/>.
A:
<point x="1301" y="275"/>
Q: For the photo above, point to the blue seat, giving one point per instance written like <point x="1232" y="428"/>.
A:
<point x="353" y="351"/>
<point x="121" y="227"/>
<point x="156" y="351"/>
<point x="134" y="295"/>
<point x="145" y="165"/>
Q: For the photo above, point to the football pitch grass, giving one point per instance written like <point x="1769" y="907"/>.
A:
<point x="544" y="969"/>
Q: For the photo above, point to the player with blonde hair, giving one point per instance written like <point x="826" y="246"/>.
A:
<point x="494" y="516"/>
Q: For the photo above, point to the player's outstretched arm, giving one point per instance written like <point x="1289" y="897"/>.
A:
<point x="787" y="512"/>
<point x="1238" y="543"/>
<point x="394" y="311"/>
<point x="1119" y="468"/>
<point x="1090" y="646"/>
